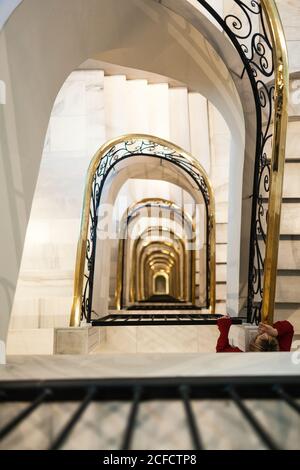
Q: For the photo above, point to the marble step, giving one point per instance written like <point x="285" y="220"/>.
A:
<point x="290" y="312"/>
<point x="221" y="253"/>
<point x="287" y="288"/>
<point x="221" y="232"/>
<point x="293" y="140"/>
<point x="289" y="254"/>
<point x="115" y="115"/>
<point x="291" y="186"/>
<point x="290" y="220"/>
<point x="158" y="110"/>
<point x="179" y="117"/>
<point x="137" y="105"/>
<point x="199" y="129"/>
<point x="221" y="272"/>
<point x="221" y="291"/>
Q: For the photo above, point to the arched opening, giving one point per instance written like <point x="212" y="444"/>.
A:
<point x="217" y="39"/>
<point x="161" y="284"/>
<point x="192" y="250"/>
<point x="129" y="149"/>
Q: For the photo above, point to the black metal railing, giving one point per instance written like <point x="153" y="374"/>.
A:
<point x="136" y="391"/>
<point x="160" y="319"/>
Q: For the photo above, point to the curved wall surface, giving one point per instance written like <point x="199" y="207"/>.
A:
<point x="7" y="7"/>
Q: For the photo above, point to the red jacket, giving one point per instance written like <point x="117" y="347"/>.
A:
<point x="284" y="328"/>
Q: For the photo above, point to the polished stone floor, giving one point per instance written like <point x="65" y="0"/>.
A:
<point x="147" y="365"/>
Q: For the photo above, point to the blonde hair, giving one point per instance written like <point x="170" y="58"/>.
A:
<point x="264" y="343"/>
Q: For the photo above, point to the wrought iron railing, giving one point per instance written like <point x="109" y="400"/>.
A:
<point x="256" y="32"/>
<point x="160" y="319"/>
<point x="136" y="391"/>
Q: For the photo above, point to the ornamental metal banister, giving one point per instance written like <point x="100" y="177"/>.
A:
<point x="264" y="55"/>
<point x="262" y="51"/>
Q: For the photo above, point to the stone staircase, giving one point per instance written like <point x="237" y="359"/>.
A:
<point x="93" y="107"/>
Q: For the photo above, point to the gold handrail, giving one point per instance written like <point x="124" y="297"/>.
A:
<point x="281" y="72"/>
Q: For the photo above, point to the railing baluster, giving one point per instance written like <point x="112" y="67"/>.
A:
<point x="132" y="419"/>
<point x="64" y="434"/>
<point x="195" y="434"/>
<point x="265" y="437"/>
<point x="9" y="427"/>
<point x="287" y="398"/>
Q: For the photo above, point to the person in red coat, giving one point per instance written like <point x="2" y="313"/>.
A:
<point x="270" y="338"/>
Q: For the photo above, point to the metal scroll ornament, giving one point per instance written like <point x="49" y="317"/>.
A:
<point x="246" y="27"/>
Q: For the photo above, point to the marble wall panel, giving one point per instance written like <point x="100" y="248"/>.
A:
<point x="158" y="110"/>
<point x="289" y="254"/>
<point x="294" y="99"/>
<point x="179" y="118"/>
<point x="221" y="271"/>
<point x="221" y="233"/>
<point x="31" y="341"/>
<point x="291" y="187"/>
<point x="167" y="339"/>
<point x="221" y="291"/>
<point x="290" y="220"/>
<point x="207" y="338"/>
<point x="121" y="339"/>
<point x="67" y="133"/>
<point x="290" y="15"/>
<point x="76" y="130"/>
<point x="290" y="313"/>
<point x="293" y="140"/>
<point x="287" y="289"/>
<point x="136" y="100"/>
<point x="115" y="113"/>
<point x="222" y="212"/>
<point x="76" y="340"/>
<point x="199" y="129"/>
<point x="221" y="253"/>
<point x="221" y="307"/>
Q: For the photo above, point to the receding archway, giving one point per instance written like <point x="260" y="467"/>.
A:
<point x="187" y="228"/>
<point x="105" y="160"/>
<point x="161" y="283"/>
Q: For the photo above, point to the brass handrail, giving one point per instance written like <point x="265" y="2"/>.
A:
<point x="281" y="72"/>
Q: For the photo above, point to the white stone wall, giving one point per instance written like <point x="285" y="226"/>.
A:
<point x="85" y="114"/>
<point x="76" y="130"/>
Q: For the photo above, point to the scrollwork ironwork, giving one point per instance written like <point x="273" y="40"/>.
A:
<point x="246" y="27"/>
